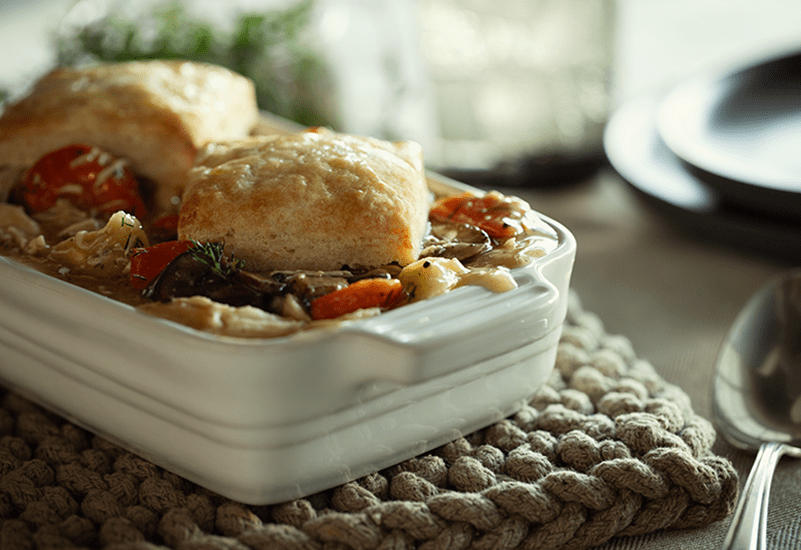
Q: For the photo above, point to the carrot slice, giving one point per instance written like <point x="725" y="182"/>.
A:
<point x="383" y="293"/>
<point x="499" y="216"/>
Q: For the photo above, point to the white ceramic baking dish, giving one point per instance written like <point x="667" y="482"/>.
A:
<point x="265" y="421"/>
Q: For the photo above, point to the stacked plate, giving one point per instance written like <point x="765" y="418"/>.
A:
<point x="721" y="153"/>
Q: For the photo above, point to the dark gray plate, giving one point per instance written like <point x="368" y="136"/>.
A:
<point x="637" y="152"/>
<point x="740" y="132"/>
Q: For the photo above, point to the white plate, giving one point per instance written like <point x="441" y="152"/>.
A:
<point x="264" y="421"/>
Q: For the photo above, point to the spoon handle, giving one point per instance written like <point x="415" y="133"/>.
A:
<point x="749" y="523"/>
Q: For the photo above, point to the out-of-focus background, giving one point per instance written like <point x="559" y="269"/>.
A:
<point x="509" y="94"/>
<point x="509" y="86"/>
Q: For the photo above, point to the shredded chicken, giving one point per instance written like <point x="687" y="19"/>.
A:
<point x="431" y="277"/>
<point x="18" y="228"/>
<point x="104" y="253"/>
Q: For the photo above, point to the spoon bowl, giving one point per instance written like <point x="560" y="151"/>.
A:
<point x="757" y="396"/>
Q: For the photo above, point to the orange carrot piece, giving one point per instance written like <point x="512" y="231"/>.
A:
<point x="499" y="216"/>
<point x="383" y="293"/>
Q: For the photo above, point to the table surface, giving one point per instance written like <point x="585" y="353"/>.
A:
<point x="673" y="295"/>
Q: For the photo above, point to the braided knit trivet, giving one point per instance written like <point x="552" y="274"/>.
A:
<point x="606" y="449"/>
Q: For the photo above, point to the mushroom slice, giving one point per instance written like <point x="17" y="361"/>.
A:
<point x="459" y="241"/>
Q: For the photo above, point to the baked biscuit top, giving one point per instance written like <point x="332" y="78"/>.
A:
<point x="313" y="200"/>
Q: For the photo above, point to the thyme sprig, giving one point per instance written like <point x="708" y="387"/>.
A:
<point x="271" y="47"/>
<point x="213" y="256"/>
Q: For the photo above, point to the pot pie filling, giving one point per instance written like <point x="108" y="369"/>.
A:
<point x="79" y="214"/>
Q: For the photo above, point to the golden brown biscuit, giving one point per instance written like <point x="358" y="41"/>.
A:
<point x="312" y="200"/>
<point x="156" y="114"/>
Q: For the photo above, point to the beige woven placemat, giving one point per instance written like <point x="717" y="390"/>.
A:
<point x="606" y="449"/>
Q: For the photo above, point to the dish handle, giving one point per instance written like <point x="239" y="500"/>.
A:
<point x="472" y="324"/>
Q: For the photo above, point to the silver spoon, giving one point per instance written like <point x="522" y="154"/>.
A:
<point x="757" y="397"/>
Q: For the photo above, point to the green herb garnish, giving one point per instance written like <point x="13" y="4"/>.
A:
<point x="212" y="255"/>
<point x="269" y="47"/>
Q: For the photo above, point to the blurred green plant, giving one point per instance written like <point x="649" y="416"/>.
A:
<point x="270" y="48"/>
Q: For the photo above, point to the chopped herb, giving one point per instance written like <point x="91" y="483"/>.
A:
<point x="212" y="255"/>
